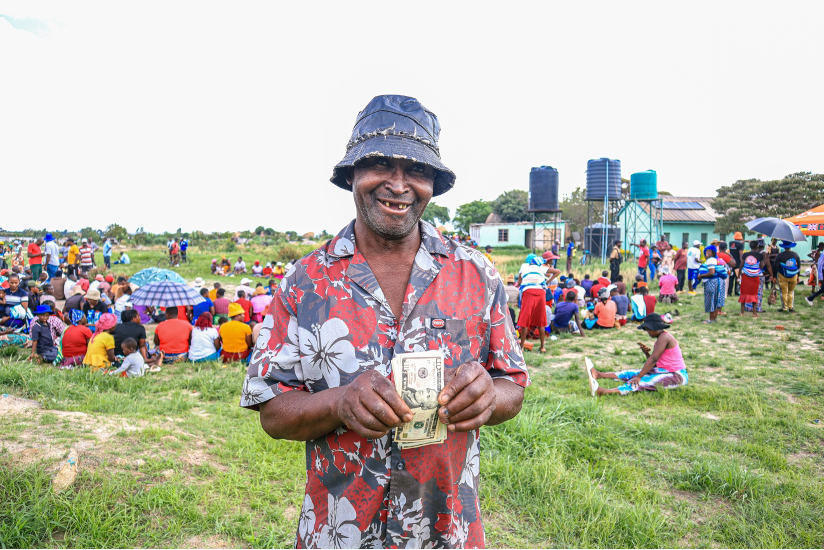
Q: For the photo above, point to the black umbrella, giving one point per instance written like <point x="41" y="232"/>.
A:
<point x="778" y="228"/>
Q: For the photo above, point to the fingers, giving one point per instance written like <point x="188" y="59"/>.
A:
<point x="358" y="418"/>
<point x="387" y="392"/>
<point x="471" y="424"/>
<point x="457" y="381"/>
<point x="485" y="402"/>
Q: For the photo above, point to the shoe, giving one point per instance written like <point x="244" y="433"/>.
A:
<point x="791" y="310"/>
<point x="593" y="383"/>
<point x="782" y="310"/>
<point x="809" y="302"/>
<point x="692" y="293"/>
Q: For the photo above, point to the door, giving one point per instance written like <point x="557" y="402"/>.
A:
<point x="528" y="238"/>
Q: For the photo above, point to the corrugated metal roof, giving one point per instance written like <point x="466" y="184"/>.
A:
<point x="707" y="215"/>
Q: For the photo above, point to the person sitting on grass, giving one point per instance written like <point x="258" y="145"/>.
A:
<point x="131" y="327"/>
<point x="100" y="353"/>
<point x="663" y="368"/>
<point x="221" y="305"/>
<point x="267" y="270"/>
<point x="206" y="306"/>
<point x="240" y="265"/>
<point x="260" y="303"/>
<point x="621" y="304"/>
<point x="666" y="284"/>
<point x="236" y="336"/>
<point x="243" y="302"/>
<point x="75" y="340"/>
<point x="257" y="269"/>
<point x="133" y="364"/>
<point x="213" y="292"/>
<point x="567" y="317"/>
<point x="205" y="340"/>
<point x="605" y="310"/>
<point x="43" y="349"/>
<point x="173" y="336"/>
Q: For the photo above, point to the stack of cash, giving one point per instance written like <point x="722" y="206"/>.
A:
<point x="419" y="379"/>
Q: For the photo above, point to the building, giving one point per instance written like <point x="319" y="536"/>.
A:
<point x="685" y="219"/>
<point x="496" y="232"/>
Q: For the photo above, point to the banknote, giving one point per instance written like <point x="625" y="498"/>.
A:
<point x="419" y="379"/>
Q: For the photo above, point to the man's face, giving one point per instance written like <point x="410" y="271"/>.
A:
<point x="40" y="241"/>
<point x="14" y="283"/>
<point x="391" y="194"/>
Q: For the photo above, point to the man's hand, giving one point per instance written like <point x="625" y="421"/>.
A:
<point x="371" y="406"/>
<point x="468" y="399"/>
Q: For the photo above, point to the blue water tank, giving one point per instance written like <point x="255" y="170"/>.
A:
<point x="543" y="189"/>
<point x="598" y="186"/>
<point x="643" y="186"/>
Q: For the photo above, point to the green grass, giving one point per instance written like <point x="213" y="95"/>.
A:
<point x="734" y="459"/>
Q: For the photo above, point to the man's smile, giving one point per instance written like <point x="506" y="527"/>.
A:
<point x="393" y="206"/>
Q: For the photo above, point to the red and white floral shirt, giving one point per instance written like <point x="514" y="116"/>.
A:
<point x="328" y="323"/>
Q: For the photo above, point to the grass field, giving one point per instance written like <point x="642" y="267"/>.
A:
<point x="734" y="459"/>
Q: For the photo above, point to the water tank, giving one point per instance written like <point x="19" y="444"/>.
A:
<point x="592" y="238"/>
<point x="598" y="187"/>
<point x="543" y="189"/>
<point x="643" y="186"/>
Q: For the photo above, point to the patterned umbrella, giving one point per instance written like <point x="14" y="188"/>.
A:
<point x="165" y="294"/>
<point x="154" y="275"/>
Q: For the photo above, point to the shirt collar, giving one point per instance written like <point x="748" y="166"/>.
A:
<point x="343" y="244"/>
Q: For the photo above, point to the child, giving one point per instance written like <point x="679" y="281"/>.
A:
<point x="42" y="344"/>
<point x="133" y="364"/>
<point x="664" y="366"/>
<point x="566" y="316"/>
<point x="589" y="316"/>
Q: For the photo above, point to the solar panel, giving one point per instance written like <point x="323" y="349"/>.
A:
<point x="679" y="205"/>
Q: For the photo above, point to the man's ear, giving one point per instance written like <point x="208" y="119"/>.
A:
<point x="350" y="176"/>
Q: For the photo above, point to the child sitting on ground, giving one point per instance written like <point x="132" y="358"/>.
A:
<point x="664" y="366"/>
<point x="639" y="283"/>
<point x="133" y="364"/>
<point x="43" y="348"/>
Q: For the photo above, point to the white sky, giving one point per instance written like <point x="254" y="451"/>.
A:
<point x="226" y="116"/>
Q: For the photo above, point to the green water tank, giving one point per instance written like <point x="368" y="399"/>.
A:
<point x="643" y="186"/>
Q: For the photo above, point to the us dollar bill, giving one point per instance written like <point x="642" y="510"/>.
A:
<point x="419" y="379"/>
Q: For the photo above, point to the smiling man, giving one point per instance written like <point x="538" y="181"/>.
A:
<point x="388" y="283"/>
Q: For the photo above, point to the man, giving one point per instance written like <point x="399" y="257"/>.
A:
<point x="206" y="306"/>
<point x="243" y="287"/>
<point x="52" y="260"/>
<point x="787" y="265"/>
<point x="213" y="292"/>
<point x="615" y="259"/>
<point x="245" y="305"/>
<point x="662" y="243"/>
<point x="570" y="251"/>
<point x="693" y="263"/>
<point x="16" y="296"/>
<point x="72" y="258"/>
<point x="174" y="253"/>
<point x="35" y="255"/>
<point x="819" y="267"/>
<point x="123" y="259"/>
<point x="567" y="317"/>
<point x="93" y="308"/>
<point x="488" y="253"/>
<point x="131" y="328"/>
<point x="240" y="265"/>
<point x="86" y="256"/>
<point x="736" y="249"/>
<point x="184" y="246"/>
<point x="107" y="252"/>
<point x="680" y="263"/>
<point x="556" y="247"/>
<point x="173" y="336"/>
<point x="643" y="259"/>
<point x="58" y="284"/>
<point x="384" y="285"/>
<point x="602" y="282"/>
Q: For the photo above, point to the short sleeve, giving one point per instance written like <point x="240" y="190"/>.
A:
<point x="274" y="367"/>
<point x="505" y="358"/>
<point x="108" y="340"/>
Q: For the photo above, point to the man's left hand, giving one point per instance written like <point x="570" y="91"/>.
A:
<point x="468" y="399"/>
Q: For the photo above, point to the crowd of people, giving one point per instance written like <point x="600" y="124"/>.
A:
<point x="273" y="269"/>
<point x="68" y="317"/>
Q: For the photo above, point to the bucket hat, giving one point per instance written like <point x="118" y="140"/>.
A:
<point x="42" y="309"/>
<point x="93" y="295"/>
<point x="235" y="309"/>
<point x="787" y="244"/>
<point x="49" y="238"/>
<point x="198" y="282"/>
<point x="653" y="321"/>
<point x="395" y="126"/>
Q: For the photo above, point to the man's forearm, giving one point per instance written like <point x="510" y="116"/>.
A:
<point x="301" y="416"/>
<point x="508" y="401"/>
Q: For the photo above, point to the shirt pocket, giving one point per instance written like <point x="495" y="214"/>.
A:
<point x="452" y="337"/>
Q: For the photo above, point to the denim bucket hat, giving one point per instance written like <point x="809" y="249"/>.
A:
<point x="395" y="126"/>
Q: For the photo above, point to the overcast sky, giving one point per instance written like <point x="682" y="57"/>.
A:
<point x="226" y="116"/>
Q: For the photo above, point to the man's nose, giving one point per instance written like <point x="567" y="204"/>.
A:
<point x="396" y="182"/>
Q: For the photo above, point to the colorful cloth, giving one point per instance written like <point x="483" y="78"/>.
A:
<point x="759" y="297"/>
<point x="651" y="381"/>
<point x="712" y="289"/>
<point x="329" y="323"/>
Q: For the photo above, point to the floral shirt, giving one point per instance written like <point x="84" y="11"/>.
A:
<point x="328" y="323"/>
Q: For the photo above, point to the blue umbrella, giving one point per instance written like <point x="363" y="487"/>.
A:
<point x="778" y="228"/>
<point x="165" y="294"/>
<point x="154" y="275"/>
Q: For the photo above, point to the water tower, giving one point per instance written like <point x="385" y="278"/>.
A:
<point x="543" y="198"/>
<point x="604" y="189"/>
<point x="643" y="215"/>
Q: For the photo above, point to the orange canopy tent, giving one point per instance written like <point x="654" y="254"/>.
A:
<point x="810" y="222"/>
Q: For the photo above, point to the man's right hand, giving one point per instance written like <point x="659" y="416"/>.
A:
<point x="371" y="406"/>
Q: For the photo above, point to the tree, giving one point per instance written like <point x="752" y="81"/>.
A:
<point x="436" y="215"/>
<point x="574" y="209"/>
<point x="117" y="232"/>
<point x="511" y="206"/>
<point x="746" y="200"/>
<point x="471" y="212"/>
<point x="88" y="233"/>
<point x="259" y="229"/>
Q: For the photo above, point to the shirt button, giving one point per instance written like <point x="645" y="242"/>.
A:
<point x="400" y="465"/>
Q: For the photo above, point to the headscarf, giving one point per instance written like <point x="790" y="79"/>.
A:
<point x="665" y="270"/>
<point x="106" y="321"/>
<point x="75" y="315"/>
<point x="532" y="259"/>
<point x="204" y="321"/>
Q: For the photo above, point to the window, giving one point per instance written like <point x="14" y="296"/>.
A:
<point x="704" y="239"/>
<point x="503" y="235"/>
<point x="685" y="238"/>
<point x="723" y="237"/>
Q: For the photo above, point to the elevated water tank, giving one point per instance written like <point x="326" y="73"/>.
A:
<point x="643" y="186"/>
<point x="603" y="179"/>
<point x="543" y="189"/>
<point x="593" y="235"/>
